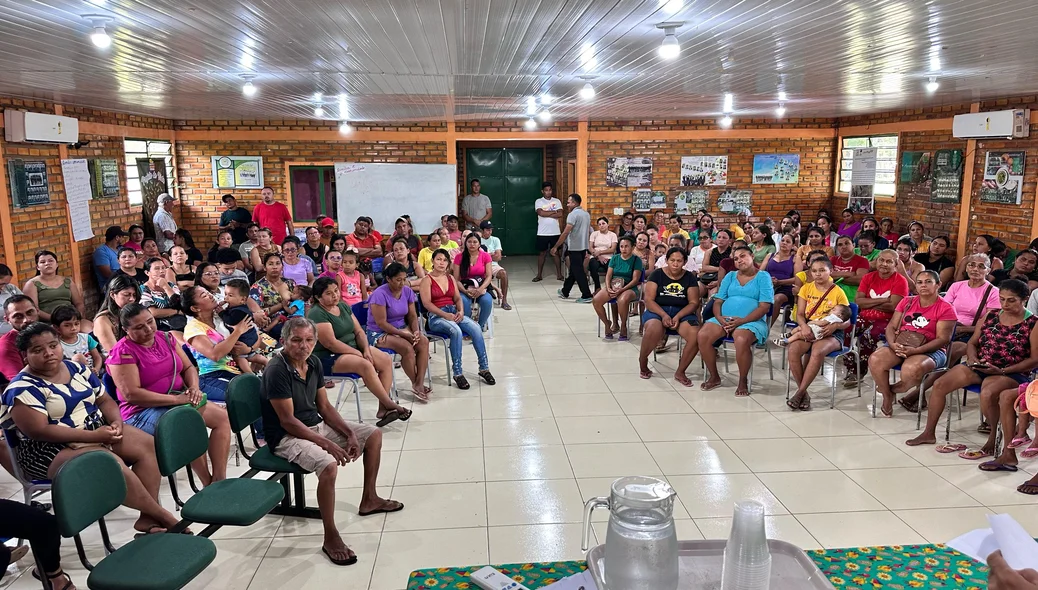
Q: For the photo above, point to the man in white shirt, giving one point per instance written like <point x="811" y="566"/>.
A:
<point x="492" y="244"/>
<point x="678" y="241"/>
<point x="165" y="226"/>
<point x="549" y="211"/>
<point x="475" y="207"/>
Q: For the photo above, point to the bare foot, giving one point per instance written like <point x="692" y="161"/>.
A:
<point x="712" y="383"/>
<point x="920" y="440"/>
<point x="742" y="391"/>
<point x="338" y="552"/>
<point x="683" y="379"/>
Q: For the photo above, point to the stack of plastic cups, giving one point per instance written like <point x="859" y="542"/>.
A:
<point x="747" y="559"/>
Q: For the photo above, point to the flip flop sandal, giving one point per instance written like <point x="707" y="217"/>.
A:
<point x="1028" y="488"/>
<point x="1029" y="453"/>
<point x="795" y="406"/>
<point x="405" y="415"/>
<point x="608" y="336"/>
<point x="151" y="531"/>
<point x="397" y="508"/>
<point x="996" y="466"/>
<point x="683" y="380"/>
<point x="506" y="307"/>
<point x="984" y="428"/>
<point x="537" y="279"/>
<point x="709" y="387"/>
<point x="645" y="374"/>
<point x="623" y="338"/>
<point x="742" y="393"/>
<point x="352" y="559"/>
<point x="886" y="414"/>
<point x="974" y="455"/>
<point x="420" y="395"/>
<point x="950" y="448"/>
<point x="388" y="417"/>
<point x="1020" y="441"/>
<point x="913" y="408"/>
<point x="488" y="377"/>
<point x="805" y="405"/>
<point x="19" y="552"/>
<point x="461" y="382"/>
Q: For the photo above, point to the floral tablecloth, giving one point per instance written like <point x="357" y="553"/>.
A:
<point x="898" y="567"/>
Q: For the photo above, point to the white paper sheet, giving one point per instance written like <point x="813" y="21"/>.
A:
<point x="1018" y="548"/>
<point x="581" y="581"/>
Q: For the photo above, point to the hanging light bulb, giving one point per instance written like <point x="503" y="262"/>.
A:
<point x="98" y="34"/>
<point x="782" y="96"/>
<point x="587" y="92"/>
<point x="248" y="89"/>
<point x="670" y="48"/>
<point x="530" y="124"/>
<point x="318" y="111"/>
<point x="345" y="128"/>
<point x="780" y="111"/>
<point x="932" y="85"/>
<point x="545" y="117"/>
<point x="726" y="122"/>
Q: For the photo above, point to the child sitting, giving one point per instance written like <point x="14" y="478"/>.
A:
<point x="838" y="315"/>
<point x="228" y="265"/>
<point x="353" y="281"/>
<point x="236" y="295"/>
<point x="299" y="304"/>
<point x="78" y="348"/>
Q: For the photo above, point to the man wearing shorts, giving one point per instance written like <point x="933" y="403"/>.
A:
<point x="302" y="427"/>
<point x="492" y="244"/>
<point x="549" y="212"/>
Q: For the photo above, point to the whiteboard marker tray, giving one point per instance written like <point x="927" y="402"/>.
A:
<point x="699" y="566"/>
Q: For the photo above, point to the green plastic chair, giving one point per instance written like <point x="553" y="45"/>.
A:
<point x="244" y="409"/>
<point x="180" y="438"/>
<point x="90" y="486"/>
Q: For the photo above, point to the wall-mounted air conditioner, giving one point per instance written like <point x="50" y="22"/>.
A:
<point x="1007" y="124"/>
<point x="25" y="126"/>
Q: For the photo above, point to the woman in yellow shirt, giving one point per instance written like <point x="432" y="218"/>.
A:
<point x="814" y="302"/>
<point x="737" y="227"/>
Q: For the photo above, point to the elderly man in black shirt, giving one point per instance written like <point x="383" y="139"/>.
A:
<point x="303" y="427"/>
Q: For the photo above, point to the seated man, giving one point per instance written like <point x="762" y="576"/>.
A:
<point x="492" y="244"/>
<point x="302" y="426"/>
<point x="19" y="311"/>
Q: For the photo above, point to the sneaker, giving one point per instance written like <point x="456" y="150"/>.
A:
<point x="561" y="296"/>
<point x="584" y="300"/>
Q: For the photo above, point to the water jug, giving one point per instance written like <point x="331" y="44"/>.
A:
<point x="641" y="545"/>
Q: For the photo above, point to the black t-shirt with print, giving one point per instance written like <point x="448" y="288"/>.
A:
<point x="672" y="292"/>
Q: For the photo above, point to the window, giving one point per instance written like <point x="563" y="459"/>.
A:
<point x="144" y="148"/>
<point x="886" y="162"/>
<point x="313" y="192"/>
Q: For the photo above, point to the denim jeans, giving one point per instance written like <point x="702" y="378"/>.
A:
<point x="457" y="331"/>
<point x="214" y="385"/>
<point x="486" y="305"/>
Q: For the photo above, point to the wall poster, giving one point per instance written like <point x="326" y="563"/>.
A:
<point x="915" y="173"/>
<point x="29" y="185"/>
<point x="1003" y="177"/>
<point x="639" y="172"/>
<point x="104" y="177"/>
<point x="776" y="168"/>
<point x="946" y="172"/>
<point x="658" y="200"/>
<point x="154" y="181"/>
<point x="862" y="199"/>
<point x="231" y="172"/>
<point x="685" y="202"/>
<point x="616" y="171"/>
<point x="704" y="170"/>
<point x="78" y="192"/>
<point x="642" y="200"/>
<point x="730" y="201"/>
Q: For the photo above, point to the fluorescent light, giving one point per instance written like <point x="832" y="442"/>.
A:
<point x="782" y="96"/>
<point x="317" y="97"/>
<point x="726" y="121"/>
<point x="530" y="123"/>
<point x="248" y="89"/>
<point x="246" y="60"/>
<point x="932" y="85"/>
<point x="545" y="117"/>
<point x="318" y="111"/>
<point x="935" y="58"/>
<point x="729" y="102"/>
<point x="531" y="106"/>
<point x="670" y="47"/>
<point x="780" y="111"/>
<point x="344" y="127"/>
<point x="587" y="92"/>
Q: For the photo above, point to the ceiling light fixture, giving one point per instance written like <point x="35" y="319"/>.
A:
<point x="729" y="103"/>
<point x="545" y="117"/>
<point x="726" y="121"/>
<point x="318" y="96"/>
<point x="99" y="35"/>
<point x="932" y="85"/>
<point x="587" y="92"/>
<point x="318" y="111"/>
<point x="248" y="89"/>
<point x="781" y="110"/>
<point x="531" y="106"/>
<point x="345" y="128"/>
<point x="782" y="96"/>
<point x="935" y="58"/>
<point x="670" y="48"/>
<point x="530" y="124"/>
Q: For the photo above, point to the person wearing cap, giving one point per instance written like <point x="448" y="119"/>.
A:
<point x="273" y="215"/>
<point x="165" y="226"/>
<point x="475" y="207"/>
<point x="492" y="244"/>
<point x="364" y="240"/>
<point x="235" y="219"/>
<point x="106" y="256"/>
<point x="326" y="225"/>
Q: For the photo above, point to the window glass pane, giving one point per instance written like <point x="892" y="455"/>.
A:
<point x="133" y="185"/>
<point x="158" y="148"/>
<point x="886" y="154"/>
<point x="845" y="187"/>
<point x="884" y="177"/>
<point x="848" y="155"/>
<point x="853" y="142"/>
<point x="135" y="145"/>
<point x="845" y="175"/>
<point x="886" y="165"/>
<point x="131" y="163"/>
<point x="135" y="198"/>
<point x="884" y="141"/>
<point x="329" y="192"/>
<point x="886" y="190"/>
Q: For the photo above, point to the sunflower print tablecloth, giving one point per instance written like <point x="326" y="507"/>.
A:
<point x="898" y="567"/>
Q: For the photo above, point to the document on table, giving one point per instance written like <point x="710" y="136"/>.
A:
<point x="582" y="581"/>
<point x="1018" y="548"/>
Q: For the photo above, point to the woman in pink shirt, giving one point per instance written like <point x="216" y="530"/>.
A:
<point x="472" y="270"/>
<point x="601" y="247"/>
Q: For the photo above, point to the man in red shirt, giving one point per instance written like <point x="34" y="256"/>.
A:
<point x="20" y="311"/>
<point x="273" y="215"/>
<point x="364" y="240"/>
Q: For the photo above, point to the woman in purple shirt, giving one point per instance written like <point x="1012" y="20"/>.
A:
<point x="393" y="323"/>
<point x="849" y="227"/>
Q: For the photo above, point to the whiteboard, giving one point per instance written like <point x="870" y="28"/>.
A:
<point x="385" y="192"/>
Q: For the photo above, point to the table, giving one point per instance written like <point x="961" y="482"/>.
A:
<point x="897" y="567"/>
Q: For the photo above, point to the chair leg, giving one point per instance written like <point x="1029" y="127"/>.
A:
<point x="356" y="396"/>
<point x="771" y="363"/>
<point x="788" y="378"/>
<point x="724" y="351"/>
<point x="832" y="398"/>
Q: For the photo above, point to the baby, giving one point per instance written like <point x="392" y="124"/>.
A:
<point x="298" y="305"/>
<point x="236" y="295"/>
<point x="838" y="315"/>
<point x="77" y="347"/>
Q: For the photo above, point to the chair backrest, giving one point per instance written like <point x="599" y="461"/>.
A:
<point x="109" y="383"/>
<point x="87" y="488"/>
<point x="376" y="264"/>
<point x="360" y="312"/>
<point x="11" y="438"/>
<point x="243" y="401"/>
<point x="180" y="438"/>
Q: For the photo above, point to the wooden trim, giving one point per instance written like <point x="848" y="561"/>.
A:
<point x="583" y="139"/>
<point x="452" y="139"/>
<point x="124" y="131"/>
<point x="6" y="227"/>
<point x="968" y="163"/>
<point x="521" y="135"/>
<point x="899" y="127"/>
<point x="311" y="135"/>
<point x="692" y="134"/>
<point x="73" y="248"/>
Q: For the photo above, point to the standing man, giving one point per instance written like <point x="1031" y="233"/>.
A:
<point x="235" y="219"/>
<point x="301" y="426"/>
<point x="106" y="257"/>
<point x="492" y="244"/>
<point x="273" y="215"/>
<point x="549" y="212"/>
<point x="363" y="240"/>
<point x="165" y="226"/>
<point x="475" y="207"/>
<point x="578" y="229"/>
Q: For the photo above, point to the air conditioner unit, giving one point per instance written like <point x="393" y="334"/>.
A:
<point x="24" y="126"/>
<point x="1007" y="124"/>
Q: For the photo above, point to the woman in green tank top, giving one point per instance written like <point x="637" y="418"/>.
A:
<point x="50" y="290"/>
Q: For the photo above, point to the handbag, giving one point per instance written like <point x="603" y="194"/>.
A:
<point x="909" y="338"/>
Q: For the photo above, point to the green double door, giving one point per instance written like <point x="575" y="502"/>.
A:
<point x="512" y="178"/>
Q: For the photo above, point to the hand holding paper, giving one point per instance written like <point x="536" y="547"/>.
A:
<point x="1018" y="549"/>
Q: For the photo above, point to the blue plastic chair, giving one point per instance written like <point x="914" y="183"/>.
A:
<point x="352" y="378"/>
<point x="360" y="315"/>
<point x="728" y="340"/>
<point x="832" y="357"/>
<point x="612" y="302"/>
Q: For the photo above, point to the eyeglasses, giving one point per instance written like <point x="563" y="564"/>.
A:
<point x="289" y="250"/>
<point x="210" y="274"/>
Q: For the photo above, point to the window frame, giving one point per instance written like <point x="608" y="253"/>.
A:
<point x="845" y="164"/>
<point x="134" y="196"/>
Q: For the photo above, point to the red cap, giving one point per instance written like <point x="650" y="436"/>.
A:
<point x="327" y="222"/>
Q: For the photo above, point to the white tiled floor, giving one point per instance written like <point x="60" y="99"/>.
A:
<point x="498" y="473"/>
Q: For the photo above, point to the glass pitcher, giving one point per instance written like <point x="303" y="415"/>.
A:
<point x="641" y="546"/>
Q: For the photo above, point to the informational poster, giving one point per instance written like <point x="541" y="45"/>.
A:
<point x="776" y="168"/>
<point x="704" y="170"/>
<point x="863" y="166"/>
<point x="862" y="199"/>
<point x="639" y="172"/>
<point x="29" y="186"/>
<point x="658" y="200"/>
<point x="104" y="177"/>
<point x="642" y="200"/>
<point x="732" y="201"/>
<point x="915" y="174"/>
<point x="76" y="177"/>
<point x="1003" y="177"/>
<point x="946" y="186"/>
<point x="231" y="172"/>
<point x="616" y="171"/>
<point x="154" y="181"/>
<point x="685" y="202"/>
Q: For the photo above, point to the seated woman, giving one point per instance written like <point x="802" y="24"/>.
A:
<point x="711" y="273"/>
<point x="917" y="335"/>
<point x="59" y="410"/>
<point x="122" y="291"/>
<point x="128" y="265"/>
<point x="815" y="241"/>
<point x="623" y="275"/>
<point x="815" y="300"/>
<point x="935" y="260"/>
<point x="999" y="356"/>
<point x="425" y="256"/>
<point x="878" y="295"/>
<point x="917" y="233"/>
<point x="671" y="303"/>
<point x="740" y="307"/>
<point x="295" y="266"/>
<point x="907" y="265"/>
<point x="971" y="299"/>
<point x="760" y="244"/>
<point x="343" y="347"/>
<point x="441" y="299"/>
<point x="472" y="271"/>
<point x="208" y="277"/>
<point x="1023" y="269"/>
<point x="182" y="238"/>
<point x="213" y="346"/>
<point x="264" y="247"/>
<point x="983" y="244"/>
<point x="402" y="229"/>
<point x="272" y="292"/>
<point x="49" y="290"/>
<point x="393" y="324"/>
<point x="136" y="236"/>
<point x="224" y="239"/>
<point x="401" y="254"/>
<point x="180" y="271"/>
<point x="161" y="296"/>
<point x="780" y="267"/>
<point x="150" y="249"/>
<point x="313" y="248"/>
<point x="601" y="247"/>
<point x="887" y="230"/>
<point x="153" y="375"/>
<point x="699" y="253"/>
